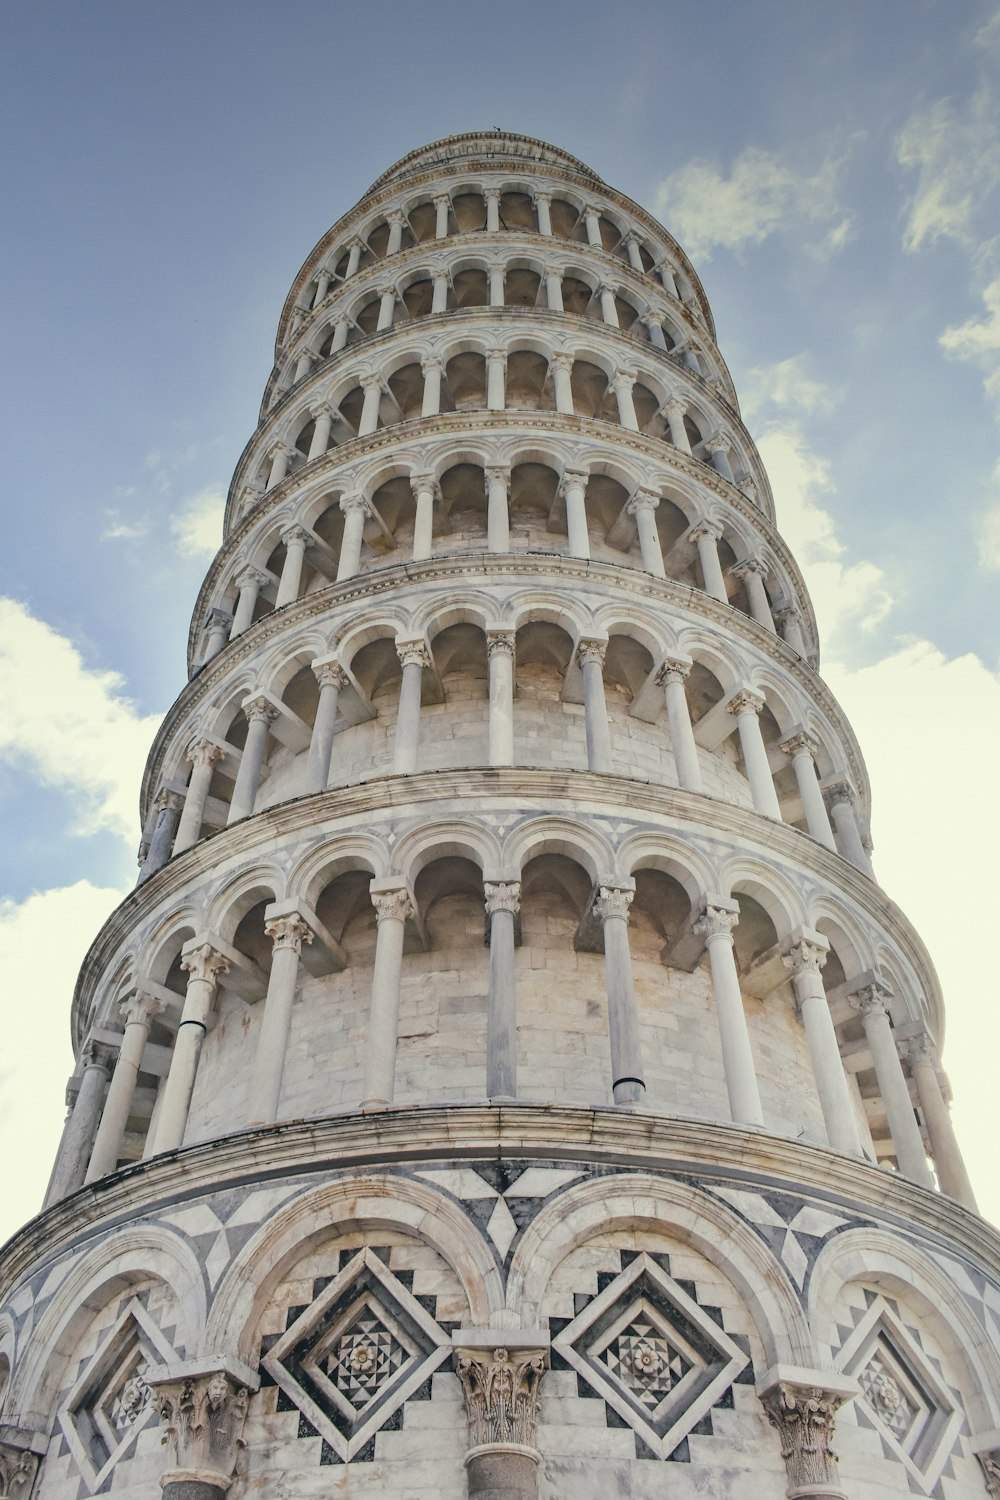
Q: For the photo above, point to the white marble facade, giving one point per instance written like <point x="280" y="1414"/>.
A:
<point x="507" y="1077"/>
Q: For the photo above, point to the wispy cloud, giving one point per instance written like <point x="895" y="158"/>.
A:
<point x="955" y="152"/>
<point x="787" y="384"/>
<point x="70" y="726"/>
<point x="763" y="194"/>
<point x="197" y="527"/>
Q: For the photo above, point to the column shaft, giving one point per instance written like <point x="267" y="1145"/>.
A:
<point x="331" y="679"/>
<point x="289" y="933"/>
<point x="423" y="520"/>
<point x="77" y="1142"/>
<point x="204" y="966"/>
<point x="746" y="708"/>
<point x="706" y="538"/>
<point x="392" y="908"/>
<point x="261" y="713"/>
<point x="953" y="1178"/>
<point x="414" y="658"/>
<point x="500" y="650"/>
<point x="595" y="708"/>
<point x="643" y="507"/>
<point x="501" y="1019"/>
<point x="737" y="1056"/>
<point x="138" y="1014"/>
<point x="497" y="514"/>
<point x="355" y="510"/>
<point x="682" y="740"/>
<point x="577" y="534"/>
<point x="627" y="1073"/>
<point x="902" y="1122"/>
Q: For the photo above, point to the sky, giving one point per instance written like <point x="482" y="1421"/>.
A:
<point x="831" y="166"/>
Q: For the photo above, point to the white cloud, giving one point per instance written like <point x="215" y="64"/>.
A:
<point x="977" y="340"/>
<point x="956" y="156"/>
<point x="70" y="726"/>
<point x="762" y="195"/>
<point x="197" y="526"/>
<point x="787" y="385"/>
<point x="117" y="530"/>
<point x="988" y="36"/>
<point x="988" y="533"/>
<point x="59" y="925"/>
<point x="846" y="595"/>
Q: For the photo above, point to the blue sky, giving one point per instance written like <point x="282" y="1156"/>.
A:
<point x="834" y="170"/>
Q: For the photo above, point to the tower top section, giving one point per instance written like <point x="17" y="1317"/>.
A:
<point x="481" y="145"/>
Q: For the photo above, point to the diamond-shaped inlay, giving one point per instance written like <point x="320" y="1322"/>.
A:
<point x="356" y="1353"/>
<point x="902" y="1392"/>
<point x="110" y="1403"/>
<point x="654" y="1355"/>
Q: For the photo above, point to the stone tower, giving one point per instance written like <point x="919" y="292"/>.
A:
<point x="507" y="1077"/>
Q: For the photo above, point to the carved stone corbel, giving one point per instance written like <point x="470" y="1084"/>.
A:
<point x="18" y="1468"/>
<point x="202" y="1416"/>
<point x="804" y="1418"/>
<point x="500" y="1388"/>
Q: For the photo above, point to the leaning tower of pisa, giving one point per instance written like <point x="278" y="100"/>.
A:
<point x="507" y="1077"/>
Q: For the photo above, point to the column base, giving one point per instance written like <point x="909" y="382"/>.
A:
<point x="502" y="1471"/>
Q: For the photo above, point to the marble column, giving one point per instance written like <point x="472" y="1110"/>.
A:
<point x="439" y="296"/>
<point x="804" y="960"/>
<point x="609" y="311"/>
<point x="168" y="811"/>
<point x="497" y="277"/>
<point x="496" y="369"/>
<point x="503" y="903"/>
<point x="801" y="748"/>
<point x="322" y="415"/>
<point x="654" y="327"/>
<point x="705" y="536"/>
<point x="396" y="222"/>
<point x="500" y="1389"/>
<point x="386" y="309"/>
<point x="497" y="481"/>
<point x="592" y="221"/>
<point x="717" y="449"/>
<point x="392" y="908"/>
<point x="628" y="1079"/>
<point x="296" y="540"/>
<point x="287" y="933"/>
<point x="872" y="1001"/>
<point x="331" y="678"/>
<point x="424" y="490"/>
<point x="354" y="251"/>
<point x="500" y="652"/>
<point x="432" y="369"/>
<point x="840" y="799"/>
<point x="675" y="411"/>
<point x="953" y="1178"/>
<point x="716" y="926"/>
<point x="138" y="1013"/>
<point x="553" y="290"/>
<point x="590" y="654"/>
<point x="751" y="572"/>
<point x="249" y="581"/>
<point x="260" y="714"/>
<point x="673" y="675"/>
<point x="562" y="373"/>
<point x="203" y="965"/>
<point x="281" y="457"/>
<point x="218" y="627"/>
<point x="414" y="657"/>
<point x="341" y="331"/>
<point x="77" y="1143"/>
<point x="631" y="243"/>
<point x="442" y="208"/>
<point x="789" y="622"/>
<point x="643" y="506"/>
<point x="746" y="708"/>
<point x="204" y="754"/>
<point x="492" y="198"/>
<point x="622" y="383"/>
<point x="803" y="1416"/>
<point x="543" y="203"/>
<point x="667" y="279"/>
<point x="372" y="404"/>
<point x="355" y="509"/>
<point x="574" y="489"/>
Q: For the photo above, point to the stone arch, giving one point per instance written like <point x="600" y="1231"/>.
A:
<point x="878" y="1258"/>
<point x="366" y="1201"/>
<point x="770" y="889"/>
<point x="143" y="1252"/>
<point x="671" y="855"/>
<point x="554" y="835"/>
<point x="240" y="894"/>
<point x="159" y="950"/>
<point x="661" y="1203"/>
<point x="454" y="837"/>
<point x="323" y="864"/>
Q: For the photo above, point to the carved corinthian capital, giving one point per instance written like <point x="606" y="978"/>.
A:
<point x="501" y="1394"/>
<point x="18" y="1468"/>
<point x="203" y="1421"/>
<point x="804" y="1416"/>
<point x="990" y="1461"/>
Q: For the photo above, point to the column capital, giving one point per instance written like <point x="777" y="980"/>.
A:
<point x="541" y="195"/>
<point x="642" y="499"/>
<point x="441" y="198"/>
<point x="705" y="528"/>
<point x="799" y="742"/>
<point x="502" y="895"/>
<point x="320" y="409"/>
<point x="496" y="474"/>
<point x="872" y="998"/>
<point x="371" y="381"/>
<point x="613" y="901"/>
<point x="349" y="503"/>
<point x="806" y="953"/>
<point x="785" y="612"/>
<point x="258" y="708"/>
<point x="413" y="654"/>
<point x="500" y="643"/>
<point x="496" y="357"/>
<point x="717" y="920"/>
<point x="387" y="289"/>
<point x="650" y="316"/>
<point x="140" y="1008"/>
<point x="357" y="243"/>
<point x="624" y="379"/>
<point x="295" y="534"/>
<point x="590" y="651"/>
<point x="574" y="479"/>
<point x="718" y="443"/>
<point x="749" y="565"/>
<point x="676" y="667"/>
<point x="250" y="574"/>
<point x="282" y="450"/>
<point x="491" y="193"/>
<point x="745" y="701"/>
<point x="839" y="791"/>
<point x="395" y="216"/>
<point x="562" y="360"/>
<point x="804" y="1418"/>
<point x="18" y="1466"/>
<point x="289" y="931"/>
<point x="675" y="407"/>
<point x="330" y="674"/>
<point x="431" y="364"/>
<point x="921" y="1050"/>
<point x="500" y="1390"/>
<point x="202" y="961"/>
<point x="989" y="1459"/>
<point x="393" y="905"/>
<point x="423" y="484"/>
<point x="204" y="752"/>
<point x="98" y="1055"/>
<point x="610" y="286"/>
<point x="203" y="1419"/>
<point x="167" y="799"/>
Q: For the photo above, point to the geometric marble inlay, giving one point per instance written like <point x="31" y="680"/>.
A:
<point x="902" y="1393"/>
<point x="652" y="1353"/>
<point x="110" y="1403"/>
<point x="355" y="1354"/>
